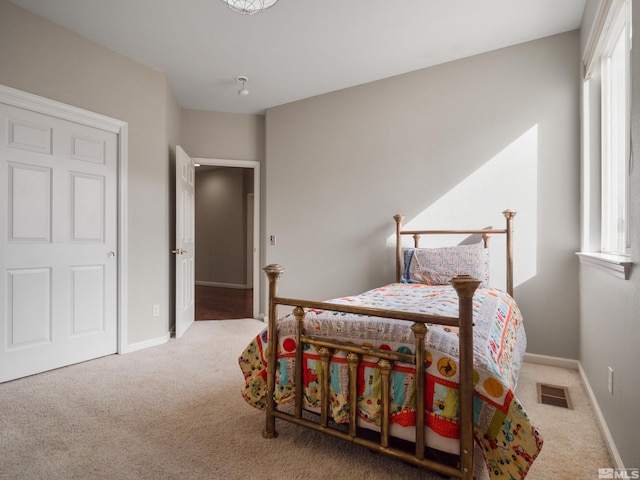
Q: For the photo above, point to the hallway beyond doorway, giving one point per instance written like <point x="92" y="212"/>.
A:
<point x="219" y="303"/>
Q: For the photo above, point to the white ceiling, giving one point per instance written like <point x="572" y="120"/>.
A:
<point x="301" y="48"/>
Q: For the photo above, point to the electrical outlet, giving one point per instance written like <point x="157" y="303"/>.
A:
<point x="156" y="310"/>
<point x="272" y="239"/>
<point x="610" y="381"/>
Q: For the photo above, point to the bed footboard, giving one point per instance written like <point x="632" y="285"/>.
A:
<point x="465" y="287"/>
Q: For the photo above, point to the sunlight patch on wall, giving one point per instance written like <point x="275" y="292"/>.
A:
<point x="507" y="181"/>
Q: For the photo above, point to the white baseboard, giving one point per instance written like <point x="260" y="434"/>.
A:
<point x="223" y="285"/>
<point x="571" y="364"/>
<point x="537" y="359"/>
<point x="153" y="342"/>
<point x="608" y="439"/>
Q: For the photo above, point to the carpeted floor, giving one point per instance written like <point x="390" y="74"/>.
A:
<point x="175" y="412"/>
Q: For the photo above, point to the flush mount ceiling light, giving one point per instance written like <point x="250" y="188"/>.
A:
<point x="249" y="7"/>
<point x="243" y="91"/>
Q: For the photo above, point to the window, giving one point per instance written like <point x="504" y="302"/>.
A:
<point x="606" y="147"/>
<point x="615" y="115"/>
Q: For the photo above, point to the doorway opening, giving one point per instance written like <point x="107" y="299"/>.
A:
<point x="227" y="226"/>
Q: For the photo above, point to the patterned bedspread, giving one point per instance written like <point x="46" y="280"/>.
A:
<point x="509" y="442"/>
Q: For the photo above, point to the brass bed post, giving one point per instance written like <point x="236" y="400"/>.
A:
<point x="299" y="313"/>
<point x="325" y="394"/>
<point x="465" y="286"/>
<point x="485" y="239"/>
<point x="353" y="359"/>
<point x="419" y="333"/>
<point x="273" y="272"/>
<point x="385" y="370"/>
<point x="398" y="218"/>
<point x="509" y="214"/>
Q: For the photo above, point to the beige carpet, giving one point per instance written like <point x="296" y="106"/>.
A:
<point x="175" y="412"/>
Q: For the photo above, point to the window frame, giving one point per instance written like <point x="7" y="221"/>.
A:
<point x="595" y="247"/>
<point x="615" y="133"/>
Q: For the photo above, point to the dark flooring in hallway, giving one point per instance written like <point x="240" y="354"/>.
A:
<point x="218" y="303"/>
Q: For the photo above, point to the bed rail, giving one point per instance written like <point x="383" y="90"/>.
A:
<point x="465" y="287"/>
<point x="486" y="233"/>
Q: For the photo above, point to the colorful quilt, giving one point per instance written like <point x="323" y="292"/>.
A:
<point x="509" y="442"/>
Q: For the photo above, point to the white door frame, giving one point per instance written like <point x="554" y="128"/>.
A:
<point x="249" y="251"/>
<point x="35" y="103"/>
<point x="255" y="165"/>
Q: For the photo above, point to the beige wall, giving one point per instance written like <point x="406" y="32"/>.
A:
<point x="453" y="144"/>
<point x="40" y="57"/>
<point x="340" y="165"/>
<point x="229" y="136"/>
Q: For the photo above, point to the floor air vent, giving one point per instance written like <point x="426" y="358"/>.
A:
<point x="554" y="395"/>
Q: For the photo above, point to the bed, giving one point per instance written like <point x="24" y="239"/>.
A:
<point x="358" y="354"/>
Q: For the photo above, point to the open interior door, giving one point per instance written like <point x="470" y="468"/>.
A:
<point x="185" y="242"/>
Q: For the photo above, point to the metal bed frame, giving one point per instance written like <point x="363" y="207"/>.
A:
<point x="465" y="287"/>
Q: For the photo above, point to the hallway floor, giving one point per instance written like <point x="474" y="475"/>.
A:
<point x="218" y="303"/>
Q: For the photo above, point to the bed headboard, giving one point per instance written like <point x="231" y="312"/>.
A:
<point x="486" y="233"/>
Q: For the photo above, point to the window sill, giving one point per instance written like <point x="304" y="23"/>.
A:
<point x="616" y="265"/>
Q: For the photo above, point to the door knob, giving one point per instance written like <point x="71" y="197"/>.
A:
<point x="111" y="254"/>
<point x="178" y="251"/>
